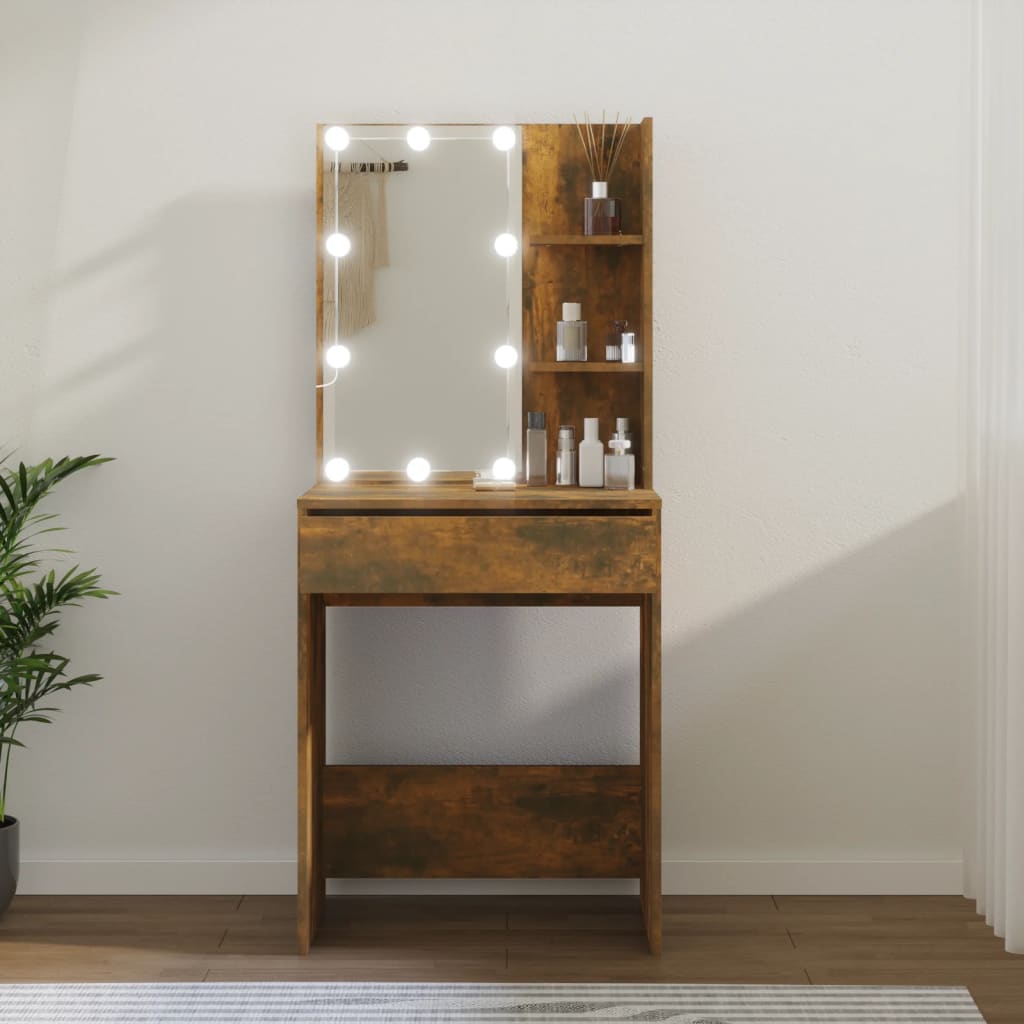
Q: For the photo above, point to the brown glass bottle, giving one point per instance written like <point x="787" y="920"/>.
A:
<point x="601" y="215"/>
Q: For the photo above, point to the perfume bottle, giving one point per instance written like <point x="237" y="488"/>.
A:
<point x="536" y="470"/>
<point x="572" y="335"/>
<point x="565" y="457"/>
<point x="591" y="455"/>
<point x="620" y="466"/>
<point x="601" y="215"/>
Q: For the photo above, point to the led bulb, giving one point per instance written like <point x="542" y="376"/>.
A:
<point x="506" y="356"/>
<point x="338" y="245"/>
<point x="504" y="138"/>
<point x="337" y="139"/>
<point x="418" y="470"/>
<point x="336" y="470"/>
<point x="506" y="245"/>
<point x="418" y="138"/>
<point x="503" y="469"/>
<point x="338" y="357"/>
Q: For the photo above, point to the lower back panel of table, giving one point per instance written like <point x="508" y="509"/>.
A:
<point x="481" y="821"/>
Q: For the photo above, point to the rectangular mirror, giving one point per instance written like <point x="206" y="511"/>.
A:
<point x="419" y="297"/>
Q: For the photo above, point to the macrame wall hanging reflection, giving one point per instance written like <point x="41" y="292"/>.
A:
<point x="356" y="206"/>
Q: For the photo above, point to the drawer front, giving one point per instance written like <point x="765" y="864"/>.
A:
<point x="479" y="554"/>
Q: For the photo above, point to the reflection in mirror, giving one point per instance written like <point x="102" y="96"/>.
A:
<point x="421" y="298"/>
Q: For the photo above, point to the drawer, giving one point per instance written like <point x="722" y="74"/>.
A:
<point x="458" y="553"/>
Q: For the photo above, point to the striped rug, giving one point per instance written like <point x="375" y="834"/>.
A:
<point x="342" y="1003"/>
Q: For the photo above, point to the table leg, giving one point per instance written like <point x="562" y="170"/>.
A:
<point x="311" y="675"/>
<point x="650" y="766"/>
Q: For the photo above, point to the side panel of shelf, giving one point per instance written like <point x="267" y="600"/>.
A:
<point x="647" y="286"/>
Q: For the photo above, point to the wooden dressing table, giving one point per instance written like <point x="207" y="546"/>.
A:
<point x="447" y="544"/>
<point x="390" y="543"/>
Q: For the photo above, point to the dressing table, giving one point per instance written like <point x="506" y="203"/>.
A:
<point x="377" y="539"/>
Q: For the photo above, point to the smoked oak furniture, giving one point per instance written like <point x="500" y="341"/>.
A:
<point x="376" y="541"/>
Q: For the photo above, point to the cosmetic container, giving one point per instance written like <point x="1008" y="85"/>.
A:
<point x="591" y="455"/>
<point x="620" y="466"/>
<point x="613" y="346"/>
<point x="572" y="335"/>
<point x="629" y="347"/>
<point x="601" y="215"/>
<point x="565" y="457"/>
<point x="536" y="447"/>
<point x="622" y="426"/>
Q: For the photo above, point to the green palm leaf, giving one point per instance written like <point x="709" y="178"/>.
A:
<point x="30" y="608"/>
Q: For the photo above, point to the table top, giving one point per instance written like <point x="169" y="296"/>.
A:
<point x="370" y="496"/>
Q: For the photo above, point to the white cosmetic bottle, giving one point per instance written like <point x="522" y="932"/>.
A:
<point x="591" y="455"/>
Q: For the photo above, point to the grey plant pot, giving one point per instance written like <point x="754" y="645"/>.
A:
<point x="8" y="861"/>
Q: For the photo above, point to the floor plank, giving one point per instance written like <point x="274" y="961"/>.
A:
<point x="785" y="940"/>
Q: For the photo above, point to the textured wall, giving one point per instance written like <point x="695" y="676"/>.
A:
<point x="158" y="306"/>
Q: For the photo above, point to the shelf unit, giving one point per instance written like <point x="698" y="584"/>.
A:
<point x="610" y="275"/>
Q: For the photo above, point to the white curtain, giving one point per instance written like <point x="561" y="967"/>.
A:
<point x="995" y="482"/>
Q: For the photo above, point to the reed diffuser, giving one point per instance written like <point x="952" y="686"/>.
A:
<point x="602" y="144"/>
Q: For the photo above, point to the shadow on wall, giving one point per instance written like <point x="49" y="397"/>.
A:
<point x="822" y="719"/>
<point x="483" y="685"/>
<point x="826" y="712"/>
<point x="193" y="365"/>
<point x="199" y="332"/>
<point x="822" y="710"/>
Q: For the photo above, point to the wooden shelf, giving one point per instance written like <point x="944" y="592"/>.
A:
<point x="573" y="367"/>
<point x="614" y="240"/>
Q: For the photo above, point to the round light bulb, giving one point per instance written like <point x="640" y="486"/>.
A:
<point x="418" y="138"/>
<point x="338" y="357"/>
<point x="506" y="356"/>
<point x="338" y="139"/>
<point x="338" y="245"/>
<point x="503" y="469"/>
<point x="506" y="245"/>
<point x="336" y="470"/>
<point x="504" y="138"/>
<point x="418" y="470"/>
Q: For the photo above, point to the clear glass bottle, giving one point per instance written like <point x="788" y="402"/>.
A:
<point x="536" y="469"/>
<point x="619" y="467"/>
<point x="613" y="347"/>
<point x="565" y="457"/>
<point x="572" y="335"/>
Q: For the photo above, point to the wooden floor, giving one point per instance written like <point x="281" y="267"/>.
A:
<point x="791" y="940"/>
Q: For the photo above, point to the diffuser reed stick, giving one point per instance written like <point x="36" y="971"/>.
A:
<point x="602" y="149"/>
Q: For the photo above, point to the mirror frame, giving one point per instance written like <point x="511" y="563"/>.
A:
<point x="397" y="475"/>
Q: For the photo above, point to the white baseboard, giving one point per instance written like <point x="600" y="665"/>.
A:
<point x="681" y="878"/>
<point x="813" y="878"/>
<point x="156" y="877"/>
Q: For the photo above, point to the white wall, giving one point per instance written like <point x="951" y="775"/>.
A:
<point x="157" y="305"/>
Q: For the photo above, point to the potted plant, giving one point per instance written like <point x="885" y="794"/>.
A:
<point x="32" y="598"/>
